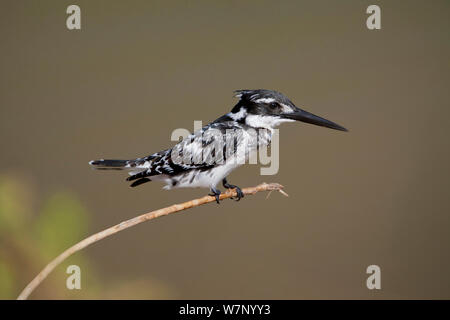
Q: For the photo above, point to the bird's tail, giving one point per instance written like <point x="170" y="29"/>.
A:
<point x="103" y="164"/>
<point x="137" y="172"/>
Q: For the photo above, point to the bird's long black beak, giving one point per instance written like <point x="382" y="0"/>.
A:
<point x="305" y="116"/>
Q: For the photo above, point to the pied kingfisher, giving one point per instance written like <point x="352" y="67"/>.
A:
<point x="185" y="165"/>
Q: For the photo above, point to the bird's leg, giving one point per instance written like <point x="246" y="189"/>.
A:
<point x="215" y="193"/>
<point x="239" y="192"/>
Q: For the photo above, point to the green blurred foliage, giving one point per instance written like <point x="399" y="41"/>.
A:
<point x="30" y="238"/>
<point x="15" y="201"/>
<point x="7" y="281"/>
<point x="62" y="222"/>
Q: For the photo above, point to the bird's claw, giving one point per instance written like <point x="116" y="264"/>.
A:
<point x="215" y="193"/>
<point x="239" y="192"/>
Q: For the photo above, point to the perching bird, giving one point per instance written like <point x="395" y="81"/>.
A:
<point x="206" y="157"/>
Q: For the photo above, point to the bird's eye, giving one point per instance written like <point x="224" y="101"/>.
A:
<point x="273" y="105"/>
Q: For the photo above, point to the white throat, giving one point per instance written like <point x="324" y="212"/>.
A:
<point x="267" y="122"/>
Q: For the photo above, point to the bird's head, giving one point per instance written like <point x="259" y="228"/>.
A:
<point x="268" y="109"/>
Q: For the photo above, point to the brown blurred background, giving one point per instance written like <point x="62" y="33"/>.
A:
<point x="139" y="69"/>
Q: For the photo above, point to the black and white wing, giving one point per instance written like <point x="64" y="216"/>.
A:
<point x="202" y="150"/>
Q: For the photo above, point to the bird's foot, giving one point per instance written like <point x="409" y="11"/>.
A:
<point x="239" y="192"/>
<point x="215" y="193"/>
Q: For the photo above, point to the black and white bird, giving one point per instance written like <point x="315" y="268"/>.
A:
<point x="206" y="157"/>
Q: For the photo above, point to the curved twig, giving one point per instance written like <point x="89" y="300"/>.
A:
<point x="134" y="221"/>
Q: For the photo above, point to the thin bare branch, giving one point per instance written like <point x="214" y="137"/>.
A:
<point x="134" y="221"/>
